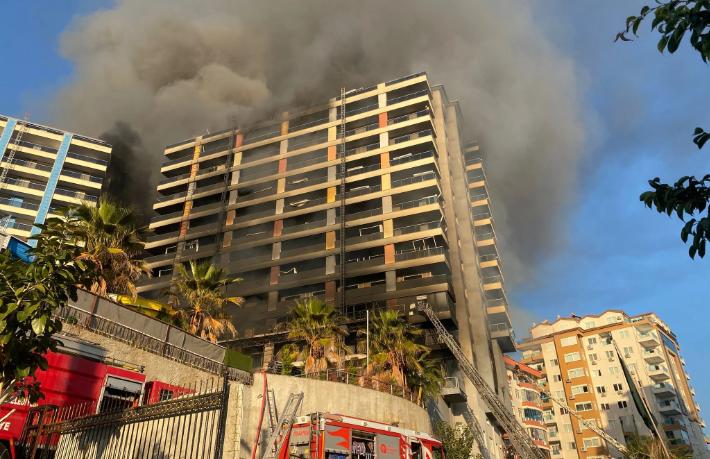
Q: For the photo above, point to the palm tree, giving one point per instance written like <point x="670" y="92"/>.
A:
<point x="395" y="350"/>
<point x="200" y="293"/>
<point x="316" y="325"/>
<point x="427" y="381"/>
<point x="108" y="234"/>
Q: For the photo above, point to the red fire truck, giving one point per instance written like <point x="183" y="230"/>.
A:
<point x="79" y="373"/>
<point x="334" y="436"/>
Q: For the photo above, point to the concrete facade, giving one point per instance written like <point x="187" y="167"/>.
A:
<point x="45" y="169"/>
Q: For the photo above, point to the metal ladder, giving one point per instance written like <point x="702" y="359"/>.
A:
<point x="278" y="436"/>
<point x="521" y="441"/>
<point x="5" y="221"/>
<point x="343" y="170"/>
<point x="273" y="413"/>
<point x="476" y="430"/>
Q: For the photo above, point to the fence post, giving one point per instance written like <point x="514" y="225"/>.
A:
<point x="222" y="425"/>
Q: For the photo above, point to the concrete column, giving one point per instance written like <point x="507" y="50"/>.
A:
<point x="233" y="194"/>
<point x="331" y="192"/>
<point x="279" y="224"/>
<point x="386" y="184"/>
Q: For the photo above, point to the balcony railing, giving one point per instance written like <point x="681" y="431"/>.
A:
<point x="18" y="226"/>
<point x="88" y="159"/>
<point x="35" y="146"/>
<point x="32" y="165"/>
<point x="82" y="176"/>
<point x="18" y="203"/>
<point x="410" y="95"/>
<point x="76" y="194"/>
<point x="415" y="135"/>
<point x="24" y="183"/>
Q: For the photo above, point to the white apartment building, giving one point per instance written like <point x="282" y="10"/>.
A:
<point x="579" y="362"/>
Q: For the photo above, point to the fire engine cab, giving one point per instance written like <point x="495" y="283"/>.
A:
<point x="80" y="373"/>
<point x="334" y="436"/>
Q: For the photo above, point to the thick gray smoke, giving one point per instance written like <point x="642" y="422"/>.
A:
<point x="170" y="69"/>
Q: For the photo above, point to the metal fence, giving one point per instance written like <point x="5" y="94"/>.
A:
<point x="185" y="422"/>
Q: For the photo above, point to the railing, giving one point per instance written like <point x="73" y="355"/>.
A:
<point x="301" y="126"/>
<point x="76" y="194"/>
<point x="86" y="158"/>
<point x="410" y="95"/>
<point x="359" y="130"/>
<point x="32" y="165"/>
<point x="417" y="227"/>
<point x="19" y="226"/>
<point x="24" y="183"/>
<point x="18" y="203"/>
<point x="137" y="339"/>
<point x="82" y="176"/>
<point x="402" y="256"/>
<point x="411" y="157"/>
<point x="414" y="135"/>
<point x="416" y="203"/>
<point x="35" y="146"/>
<point x="367" y="382"/>
<point x="408" y="116"/>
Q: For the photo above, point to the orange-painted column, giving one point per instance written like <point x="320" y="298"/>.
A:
<point x="331" y="290"/>
<point x="187" y="207"/>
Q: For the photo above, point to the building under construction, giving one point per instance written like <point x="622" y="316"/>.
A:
<point x="372" y="200"/>
<point x="43" y="169"/>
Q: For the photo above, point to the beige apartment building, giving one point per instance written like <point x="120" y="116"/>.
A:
<point x="43" y="169"/>
<point x="580" y="365"/>
<point x="371" y="200"/>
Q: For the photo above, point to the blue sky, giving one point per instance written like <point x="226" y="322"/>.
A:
<point x="641" y="108"/>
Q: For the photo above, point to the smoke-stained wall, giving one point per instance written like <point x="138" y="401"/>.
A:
<point x="165" y="70"/>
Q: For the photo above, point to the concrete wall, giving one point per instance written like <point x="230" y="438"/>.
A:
<point x="155" y="366"/>
<point x="322" y="396"/>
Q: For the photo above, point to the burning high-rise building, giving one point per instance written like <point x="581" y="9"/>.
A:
<point x="372" y="200"/>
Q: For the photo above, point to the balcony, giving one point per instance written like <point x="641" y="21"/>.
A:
<point x="88" y="159"/>
<point x="80" y="195"/>
<point x="669" y="407"/>
<point x="648" y="339"/>
<point x="82" y="176"/>
<point x="19" y="203"/>
<point x="504" y="334"/>
<point x="452" y="392"/>
<point x="658" y="372"/>
<point x="24" y="183"/>
<point x="30" y="165"/>
<point x="663" y="390"/>
<point x="653" y="356"/>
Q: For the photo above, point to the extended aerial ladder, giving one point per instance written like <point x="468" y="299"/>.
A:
<point x="522" y="443"/>
<point x="283" y="427"/>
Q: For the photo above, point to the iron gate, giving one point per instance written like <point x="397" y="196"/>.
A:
<point x="190" y="424"/>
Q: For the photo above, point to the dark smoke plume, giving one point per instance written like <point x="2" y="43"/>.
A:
<point x="174" y="68"/>
<point x="127" y="180"/>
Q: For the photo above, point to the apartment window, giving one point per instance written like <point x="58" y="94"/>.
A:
<point x="614" y="370"/>
<point x="618" y="387"/>
<point x="586" y="406"/>
<point x="557" y="378"/>
<point x="554" y="362"/>
<point x="592" y="442"/>
<point x="632" y="368"/>
<point x="597" y="372"/>
<point x="583" y="389"/>
<point x="610" y="355"/>
<point x="628" y="350"/>
<point x="555" y="449"/>
<point x="563" y="411"/>
<point x="572" y="445"/>
<point x="569" y="341"/>
<point x="605" y="406"/>
<point x="589" y="324"/>
<point x="560" y="394"/>
<point x="601" y="390"/>
<point x="592" y="340"/>
<point x="572" y="357"/>
<point x="593" y="358"/>
<point x="567" y="427"/>
<point x="575" y="373"/>
<point x="624" y="334"/>
<point x="622" y="404"/>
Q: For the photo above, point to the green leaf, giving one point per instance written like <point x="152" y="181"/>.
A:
<point x="39" y="324"/>
<point x="9" y="309"/>
<point x="662" y="43"/>
<point x="25" y="313"/>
